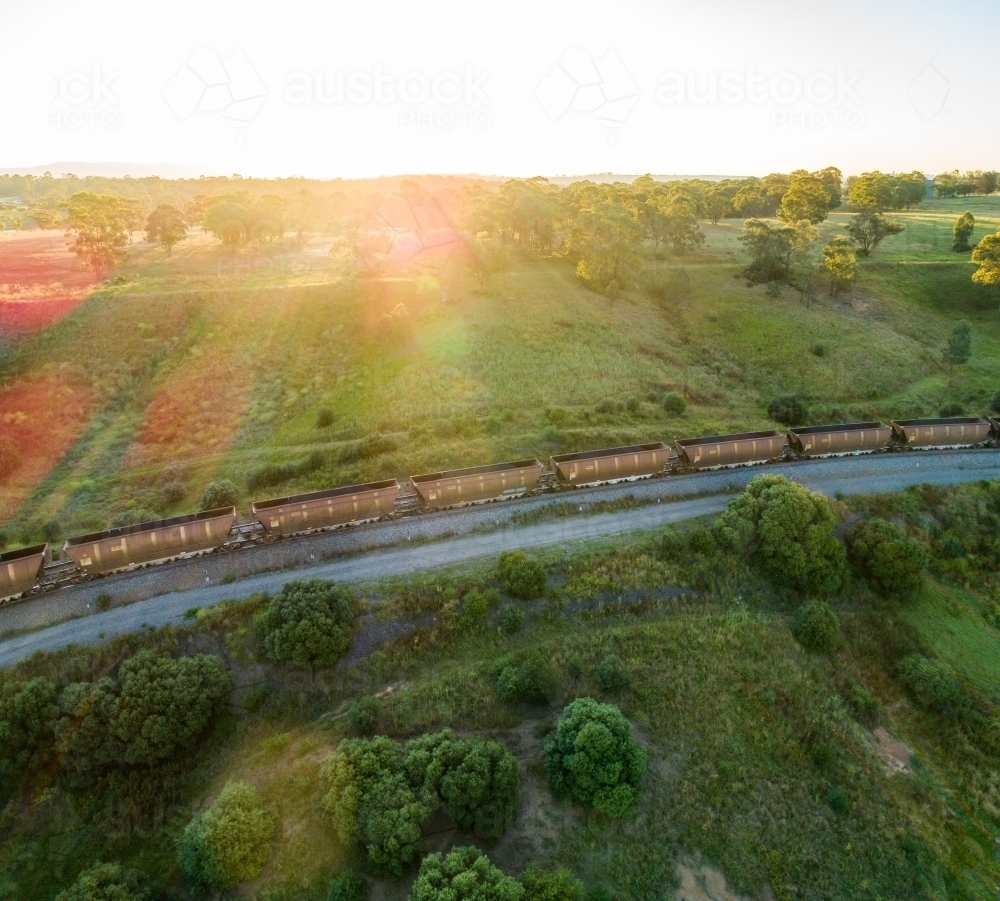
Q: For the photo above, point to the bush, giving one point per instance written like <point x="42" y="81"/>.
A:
<point x="477" y="781"/>
<point x="995" y="403"/>
<point x="674" y="403"/>
<point x="348" y="887"/>
<point x="550" y="885"/>
<point x="593" y="757"/>
<point x="521" y="577"/>
<point x="952" y="409"/>
<point x="219" y="493"/>
<point x="132" y="517"/>
<point x="155" y="709"/>
<point x="886" y="557"/>
<point x="102" y="601"/>
<point x="613" y="673"/>
<point x="324" y="419"/>
<point x="10" y="456"/>
<point x="363" y="714"/>
<point x="512" y="619"/>
<point x="816" y="626"/>
<point x="475" y="607"/>
<point x="531" y="679"/>
<point x="464" y="874"/>
<point x="106" y="882"/>
<point x="865" y="705"/>
<point x="788" y="531"/>
<point x="308" y="623"/>
<point x="173" y="493"/>
<point x="230" y="842"/>
<point x="932" y="684"/>
<point x="788" y="409"/>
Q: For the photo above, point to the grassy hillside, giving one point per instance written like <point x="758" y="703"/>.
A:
<point x="211" y="364"/>
<point x="774" y="770"/>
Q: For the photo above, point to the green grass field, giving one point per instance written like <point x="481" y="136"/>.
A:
<point x="206" y="365"/>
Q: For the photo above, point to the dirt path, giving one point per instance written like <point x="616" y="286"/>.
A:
<point x="161" y="595"/>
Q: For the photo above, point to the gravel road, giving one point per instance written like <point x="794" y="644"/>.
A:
<point x="161" y="595"/>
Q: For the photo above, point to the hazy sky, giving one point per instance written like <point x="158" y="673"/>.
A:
<point x="509" y="88"/>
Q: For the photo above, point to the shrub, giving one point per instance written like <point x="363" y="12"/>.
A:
<point x="475" y="607"/>
<point x="550" y="885"/>
<point x="463" y="874"/>
<point x="865" y="705"/>
<point x="818" y="350"/>
<point x="324" y="419"/>
<point x="155" y="708"/>
<point x="788" y="409"/>
<point x="773" y="290"/>
<point x="788" y="531"/>
<point x="512" y="619"/>
<point x="230" y="842"/>
<point x="173" y="493"/>
<point x="531" y="679"/>
<point x="348" y="887"/>
<point x="995" y="403"/>
<point x="816" y="626"/>
<point x="613" y="673"/>
<point x="593" y="757"/>
<point x="521" y="577"/>
<point x="932" y="684"/>
<point x="308" y="623"/>
<point x="477" y="781"/>
<point x="952" y="409"/>
<point x="363" y="714"/>
<point x="10" y="456"/>
<point x="674" y="403"/>
<point x="102" y="601"/>
<point x="132" y="517"/>
<point x="886" y="557"/>
<point x="633" y="407"/>
<point x="219" y="493"/>
<point x="106" y="882"/>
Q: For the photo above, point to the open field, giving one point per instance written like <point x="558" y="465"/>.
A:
<point x="212" y="364"/>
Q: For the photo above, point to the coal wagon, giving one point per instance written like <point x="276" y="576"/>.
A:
<point x="611" y="464"/>
<point x="477" y="483"/>
<point x="843" y="438"/>
<point x="729" y="450"/>
<point x="959" y="431"/>
<point x="21" y="570"/>
<point x="322" y="509"/>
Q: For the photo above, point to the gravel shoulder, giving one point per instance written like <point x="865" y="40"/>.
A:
<point x="160" y="595"/>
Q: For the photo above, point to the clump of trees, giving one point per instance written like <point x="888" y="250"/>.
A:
<point x="463" y="874"/>
<point x="380" y="795"/>
<point x="102" y="225"/>
<point x="308" y="623"/>
<point x="788" y="531"/>
<point x="886" y="557"/>
<point x="230" y="842"/>
<point x="27" y="710"/>
<point x="166" y="226"/>
<point x="520" y="576"/>
<point x="957" y="184"/>
<point x="593" y="757"/>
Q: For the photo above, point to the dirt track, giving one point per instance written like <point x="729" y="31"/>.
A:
<point x="161" y="595"/>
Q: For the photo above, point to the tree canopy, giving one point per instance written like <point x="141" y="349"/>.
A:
<point x="166" y="226"/>
<point x="869" y="228"/>
<point x="26" y="713"/>
<point x="106" y="882"/>
<point x="593" y="757"/>
<point x="230" y="842"/>
<point x="987" y="255"/>
<point x="463" y="874"/>
<point x="788" y="531"/>
<point x="841" y="264"/>
<point x="308" y="623"/>
<point x="886" y="557"/>
<point x="103" y="225"/>
<point x="962" y="231"/>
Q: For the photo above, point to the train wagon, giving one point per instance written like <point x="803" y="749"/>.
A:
<point x="843" y="438"/>
<point x="21" y="570"/>
<point x="150" y="542"/>
<point x="960" y="431"/>
<point x="321" y="509"/>
<point x="729" y="450"/>
<point x="612" y="464"/>
<point x="477" y="483"/>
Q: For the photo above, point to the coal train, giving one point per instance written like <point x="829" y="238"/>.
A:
<point x="24" y="572"/>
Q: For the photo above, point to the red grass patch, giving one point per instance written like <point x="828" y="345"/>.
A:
<point x="41" y="280"/>
<point x="45" y="415"/>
